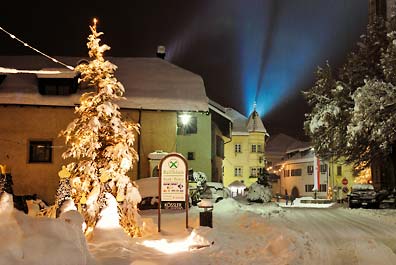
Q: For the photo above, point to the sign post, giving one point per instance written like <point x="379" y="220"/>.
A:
<point x="173" y="185"/>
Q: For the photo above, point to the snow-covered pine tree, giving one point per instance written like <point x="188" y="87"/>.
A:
<point x="260" y="191"/>
<point x="101" y="143"/>
<point x="263" y="177"/>
<point x="340" y="108"/>
<point x="372" y="126"/>
<point x="326" y="125"/>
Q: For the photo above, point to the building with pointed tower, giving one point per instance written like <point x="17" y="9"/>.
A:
<point x="244" y="154"/>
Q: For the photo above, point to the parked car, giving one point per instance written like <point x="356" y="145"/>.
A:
<point x="386" y="198"/>
<point x="215" y="191"/>
<point x="363" y="195"/>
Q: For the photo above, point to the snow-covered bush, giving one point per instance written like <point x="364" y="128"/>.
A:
<point x="259" y="193"/>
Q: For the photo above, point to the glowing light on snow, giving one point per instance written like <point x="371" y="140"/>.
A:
<point x="191" y="242"/>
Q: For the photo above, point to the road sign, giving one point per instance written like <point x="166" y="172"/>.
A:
<point x="344" y="181"/>
<point x="173" y="185"/>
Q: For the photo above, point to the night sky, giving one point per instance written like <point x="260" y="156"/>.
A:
<point x="247" y="51"/>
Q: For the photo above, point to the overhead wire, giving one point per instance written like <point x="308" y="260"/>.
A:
<point x="12" y="36"/>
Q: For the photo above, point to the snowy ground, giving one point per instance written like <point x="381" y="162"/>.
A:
<point x="242" y="234"/>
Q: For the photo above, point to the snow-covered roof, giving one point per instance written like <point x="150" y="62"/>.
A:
<point x="298" y="146"/>
<point x="279" y="143"/>
<point x="239" y="122"/>
<point x="150" y="83"/>
<point x="283" y="144"/>
<point x="219" y="109"/>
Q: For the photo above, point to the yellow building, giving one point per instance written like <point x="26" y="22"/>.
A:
<point x="244" y="154"/>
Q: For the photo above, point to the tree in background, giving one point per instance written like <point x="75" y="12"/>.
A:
<point x="327" y="123"/>
<point x="354" y="117"/>
<point x="101" y="143"/>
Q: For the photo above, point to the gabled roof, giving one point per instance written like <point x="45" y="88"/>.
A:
<point x="298" y="146"/>
<point x="150" y="83"/>
<point x="255" y="124"/>
<point x="279" y="143"/>
<point x="239" y="122"/>
<point x="243" y="125"/>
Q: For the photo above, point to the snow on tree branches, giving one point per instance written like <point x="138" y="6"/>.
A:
<point x="354" y="117"/>
<point x="101" y="143"/>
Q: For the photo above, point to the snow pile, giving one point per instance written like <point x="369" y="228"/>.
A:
<point x="41" y="241"/>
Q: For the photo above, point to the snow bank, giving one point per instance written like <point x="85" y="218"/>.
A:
<point x="39" y="240"/>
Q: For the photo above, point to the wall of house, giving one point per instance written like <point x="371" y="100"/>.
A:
<point x="217" y="161"/>
<point x="158" y="132"/>
<point x="20" y="124"/>
<point x="299" y="182"/>
<point x="199" y="143"/>
<point x="246" y="159"/>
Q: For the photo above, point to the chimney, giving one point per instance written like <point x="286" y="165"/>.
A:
<point x="161" y="52"/>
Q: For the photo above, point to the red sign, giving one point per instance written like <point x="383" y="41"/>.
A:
<point x="344" y="181"/>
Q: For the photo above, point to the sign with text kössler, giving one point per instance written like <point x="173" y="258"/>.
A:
<point x="173" y="185"/>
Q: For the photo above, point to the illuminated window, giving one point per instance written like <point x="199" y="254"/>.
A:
<point x="238" y="148"/>
<point x="237" y="171"/>
<point x="40" y="151"/>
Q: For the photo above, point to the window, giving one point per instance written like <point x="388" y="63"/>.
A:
<point x="339" y="170"/>
<point x="190" y="156"/>
<point x="286" y="173"/>
<point x="310" y="170"/>
<point x="40" y="151"/>
<point x="237" y="171"/>
<point x="322" y="188"/>
<point x="190" y="127"/>
<point x="57" y="86"/>
<point x="253" y="172"/>
<point x="259" y="150"/>
<point x="309" y="187"/>
<point x="256" y="148"/>
<point x="295" y="172"/>
<point x="323" y="168"/>
<point x="238" y="148"/>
